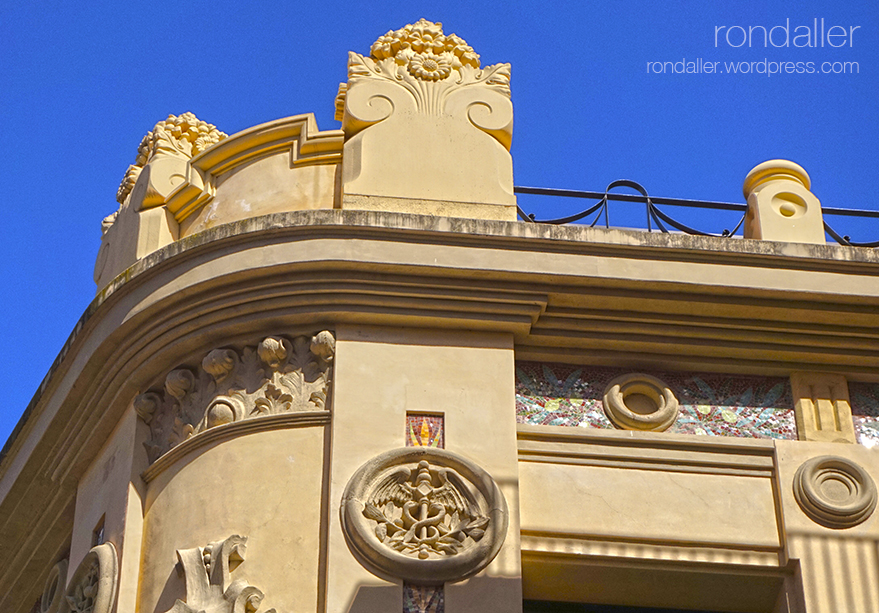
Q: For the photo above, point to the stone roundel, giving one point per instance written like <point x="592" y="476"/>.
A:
<point x="94" y="583"/>
<point x="835" y="492"/>
<point x="53" y="598"/>
<point x="640" y="402"/>
<point x="423" y="515"/>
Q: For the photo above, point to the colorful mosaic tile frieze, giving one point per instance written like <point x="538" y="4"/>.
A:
<point x="423" y="599"/>
<point x="710" y="404"/>
<point x="425" y="430"/>
<point x="864" y="398"/>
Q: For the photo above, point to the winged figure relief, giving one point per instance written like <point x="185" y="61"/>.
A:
<point x="424" y="512"/>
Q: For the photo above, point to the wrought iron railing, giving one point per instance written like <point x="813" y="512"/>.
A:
<point x="662" y="220"/>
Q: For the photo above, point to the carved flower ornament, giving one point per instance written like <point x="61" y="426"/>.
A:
<point x="183" y="134"/>
<point x="425" y="515"/>
<point x="429" y="66"/>
<point x="426" y="39"/>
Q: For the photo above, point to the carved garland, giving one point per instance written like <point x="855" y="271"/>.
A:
<point x="424" y="515"/>
<point x="277" y="376"/>
<point x="209" y="585"/>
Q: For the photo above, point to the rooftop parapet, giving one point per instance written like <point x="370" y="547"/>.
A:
<point x="425" y="123"/>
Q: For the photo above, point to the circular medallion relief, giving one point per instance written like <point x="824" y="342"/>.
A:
<point x="92" y="589"/>
<point x="835" y="492"/>
<point x="424" y="515"/>
<point x="53" y="599"/>
<point x="640" y="402"/>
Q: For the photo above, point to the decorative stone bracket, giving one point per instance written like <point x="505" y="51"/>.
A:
<point x="277" y="376"/>
<point x="209" y="585"/>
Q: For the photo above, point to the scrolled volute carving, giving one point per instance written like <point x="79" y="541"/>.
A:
<point x="835" y="492"/>
<point x="424" y="70"/>
<point x="278" y="375"/>
<point x="424" y="515"/>
<point x="209" y="584"/>
<point x="92" y="589"/>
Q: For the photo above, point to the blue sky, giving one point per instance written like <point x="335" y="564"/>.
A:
<point x="81" y="83"/>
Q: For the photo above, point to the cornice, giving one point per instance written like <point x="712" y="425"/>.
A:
<point x="566" y="293"/>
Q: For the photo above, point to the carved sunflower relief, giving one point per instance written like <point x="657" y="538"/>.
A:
<point x="424" y="515"/>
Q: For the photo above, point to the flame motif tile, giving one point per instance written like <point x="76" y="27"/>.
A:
<point x="425" y="431"/>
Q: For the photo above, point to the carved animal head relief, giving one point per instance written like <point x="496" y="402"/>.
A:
<point x="424" y="515"/>
<point x="209" y="584"/>
<point x="279" y="375"/>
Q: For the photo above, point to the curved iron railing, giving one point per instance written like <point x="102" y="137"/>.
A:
<point x="657" y="216"/>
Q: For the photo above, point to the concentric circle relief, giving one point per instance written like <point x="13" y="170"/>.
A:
<point x="835" y="492"/>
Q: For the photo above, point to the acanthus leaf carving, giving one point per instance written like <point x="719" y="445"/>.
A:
<point x="278" y="375"/>
<point x="209" y="584"/>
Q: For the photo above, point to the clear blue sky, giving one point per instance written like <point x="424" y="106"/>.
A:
<point x="81" y="83"/>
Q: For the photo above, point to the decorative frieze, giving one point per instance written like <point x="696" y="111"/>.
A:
<point x="209" y="585"/>
<point x="708" y="403"/>
<point x="835" y="492"/>
<point x="277" y="376"/>
<point x="424" y="515"/>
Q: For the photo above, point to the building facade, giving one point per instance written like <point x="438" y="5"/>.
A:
<point x="331" y="371"/>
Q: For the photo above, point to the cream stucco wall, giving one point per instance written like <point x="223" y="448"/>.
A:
<point x="381" y="373"/>
<point x="266" y="486"/>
